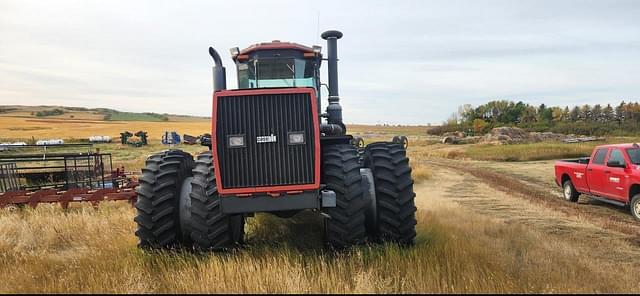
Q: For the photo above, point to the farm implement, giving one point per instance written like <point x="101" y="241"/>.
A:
<point x="140" y="139"/>
<point x="31" y="175"/>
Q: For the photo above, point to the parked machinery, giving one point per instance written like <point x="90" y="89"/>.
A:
<point x="190" y="140"/>
<point x="126" y="138"/>
<point x="64" y="173"/>
<point x="143" y="138"/>
<point x="274" y="150"/>
<point x="170" y="138"/>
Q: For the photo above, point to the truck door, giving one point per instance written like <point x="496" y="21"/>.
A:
<point x="595" y="172"/>
<point x="616" y="178"/>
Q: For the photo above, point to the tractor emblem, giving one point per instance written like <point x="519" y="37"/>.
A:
<point x="267" y="139"/>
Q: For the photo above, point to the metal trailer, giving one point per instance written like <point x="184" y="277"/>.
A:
<point x="32" y="174"/>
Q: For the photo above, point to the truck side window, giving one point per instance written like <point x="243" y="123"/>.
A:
<point x="616" y="155"/>
<point x="600" y="155"/>
<point x="634" y="155"/>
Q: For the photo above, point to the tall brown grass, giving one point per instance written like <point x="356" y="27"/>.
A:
<point x="528" y="152"/>
<point x="82" y="250"/>
<point x="522" y="152"/>
<point x="456" y="251"/>
<point x="420" y="172"/>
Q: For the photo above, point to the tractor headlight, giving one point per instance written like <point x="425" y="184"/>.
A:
<point x="236" y="141"/>
<point x="296" y="138"/>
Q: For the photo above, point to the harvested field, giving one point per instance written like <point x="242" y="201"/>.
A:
<point x="483" y="226"/>
<point x="471" y="238"/>
<point x="83" y="129"/>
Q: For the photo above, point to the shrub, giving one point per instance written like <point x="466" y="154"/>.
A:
<point x="53" y="112"/>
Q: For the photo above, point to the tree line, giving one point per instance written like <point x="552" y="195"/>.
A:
<point x="596" y="120"/>
<point x="44" y="113"/>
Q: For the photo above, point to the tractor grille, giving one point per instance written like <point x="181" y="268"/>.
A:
<point x="267" y="163"/>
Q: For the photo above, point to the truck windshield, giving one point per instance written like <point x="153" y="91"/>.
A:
<point x="276" y="72"/>
<point x="634" y="155"/>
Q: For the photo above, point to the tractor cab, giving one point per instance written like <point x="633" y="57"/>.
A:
<point x="278" y="64"/>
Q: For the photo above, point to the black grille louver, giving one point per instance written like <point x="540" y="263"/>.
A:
<point x="265" y="164"/>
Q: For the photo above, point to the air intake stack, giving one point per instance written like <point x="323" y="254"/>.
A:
<point x="219" y="72"/>
<point x="334" y="110"/>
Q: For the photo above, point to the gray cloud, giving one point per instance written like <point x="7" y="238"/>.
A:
<point x="401" y="61"/>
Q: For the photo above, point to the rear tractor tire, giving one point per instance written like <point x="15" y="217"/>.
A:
<point x="210" y="228"/>
<point x="394" y="219"/>
<point x="158" y="204"/>
<point x="344" y="225"/>
<point x="569" y="192"/>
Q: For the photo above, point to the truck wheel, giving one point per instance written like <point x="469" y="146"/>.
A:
<point x="158" y="201"/>
<point x="345" y="224"/>
<point x="635" y="206"/>
<point x="569" y="192"/>
<point x="396" y="210"/>
<point x="210" y="228"/>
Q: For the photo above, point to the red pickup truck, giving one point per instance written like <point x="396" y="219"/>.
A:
<point x="611" y="174"/>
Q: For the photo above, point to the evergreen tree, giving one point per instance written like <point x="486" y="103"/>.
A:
<point x="585" y="113"/>
<point x="566" y="114"/>
<point x="596" y="113"/>
<point x="620" y="114"/>
<point x="608" y="114"/>
<point x="575" y="114"/>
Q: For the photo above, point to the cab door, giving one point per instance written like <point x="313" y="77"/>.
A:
<point x="596" y="172"/>
<point x="617" y="178"/>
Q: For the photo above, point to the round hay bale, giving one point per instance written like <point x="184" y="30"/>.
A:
<point x="449" y="140"/>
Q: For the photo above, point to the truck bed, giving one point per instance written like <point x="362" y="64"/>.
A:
<point x="582" y="160"/>
<point x="574" y="169"/>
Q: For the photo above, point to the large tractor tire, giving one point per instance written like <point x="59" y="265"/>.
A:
<point x="158" y="203"/>
<point x="210" y="228"/>
<point x="395" y="218"/>
<point x="345" y="224"/>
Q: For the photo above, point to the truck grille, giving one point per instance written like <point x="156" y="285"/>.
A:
<point x="263" y="161"/>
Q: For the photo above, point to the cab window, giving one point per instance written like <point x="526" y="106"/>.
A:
<point x="616" y="155"/>
<point x="276" y="72"/>
<point x="634" y="155"/>
<point x="599" y="157"/>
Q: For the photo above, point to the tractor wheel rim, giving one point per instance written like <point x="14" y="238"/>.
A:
<point x="567" y="191"/>
<point x="184" y="207"/>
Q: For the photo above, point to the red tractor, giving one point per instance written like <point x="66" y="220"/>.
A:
<point x="273" y="150"/>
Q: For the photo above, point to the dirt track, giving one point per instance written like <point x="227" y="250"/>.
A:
<point x="604" y="233"/>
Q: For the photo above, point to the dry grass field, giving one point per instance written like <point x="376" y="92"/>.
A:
<point x="24" y="128"/>
<point x="483" y="226"/>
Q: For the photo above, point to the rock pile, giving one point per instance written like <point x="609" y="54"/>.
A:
<point x="511" y="135"/>
<point x="506" y="135"/>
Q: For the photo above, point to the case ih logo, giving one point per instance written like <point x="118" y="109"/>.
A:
<point x="266" y="139"/>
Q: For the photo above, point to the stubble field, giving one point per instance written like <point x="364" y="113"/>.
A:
<point x="483" y="226"/>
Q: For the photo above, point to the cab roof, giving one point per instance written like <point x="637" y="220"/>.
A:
<point x="624" y="146"/>
<point x="276" y="44"/>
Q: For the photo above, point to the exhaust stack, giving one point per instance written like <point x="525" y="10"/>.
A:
<point x="219" y="72"/>
<point x="334" y="110"/>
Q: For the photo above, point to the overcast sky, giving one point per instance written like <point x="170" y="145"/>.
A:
<point x="407" y="62"/>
